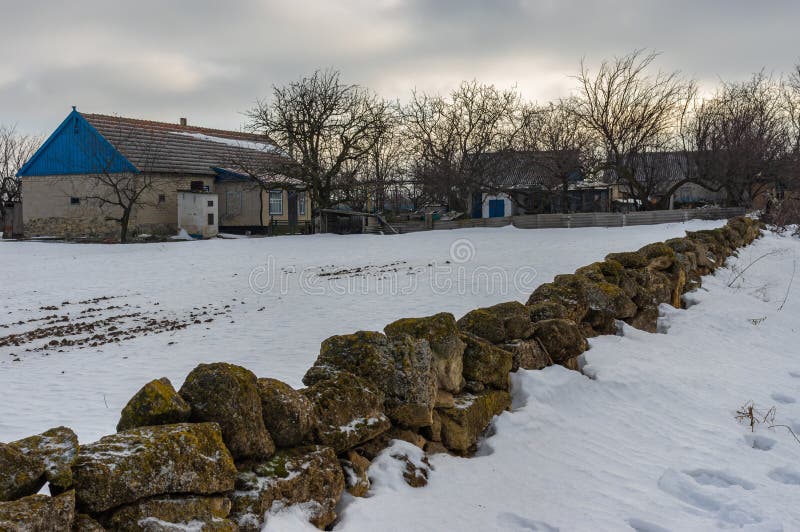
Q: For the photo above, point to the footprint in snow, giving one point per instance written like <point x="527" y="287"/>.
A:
<point x="517" y="523"/>
<point x="761" y="443"/>
<point x="783" y="399"/>
<point x="712" y="503"/>
<point x="720" y="479"/>
<point x="640" y="525"/>
<point x="785" y="475"/>
<point x="795" y="374"/>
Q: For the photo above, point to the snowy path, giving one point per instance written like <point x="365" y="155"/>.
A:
<point x="649" y="443"/>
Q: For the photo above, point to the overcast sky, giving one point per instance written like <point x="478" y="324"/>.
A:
<point x="209" y="60"/>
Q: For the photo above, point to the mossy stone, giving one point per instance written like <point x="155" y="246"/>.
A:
<point x="228" y="395"/>
<point x="349" y="411"/>
<point x="561" y="339"/>
<point x="156" y="403"/>
<point x="442" y="335"/>
<point x="463" y="424"/>
<point x="288" y="414"/>
<point x="310" y="474"/>
<point x="168" y="513"/>
<point x="486" y="363"/>
<point x="38" y="513"/>
<point x="20" y="475"/>
<point x="57" y="450"/>
<point x="148" y="461"/>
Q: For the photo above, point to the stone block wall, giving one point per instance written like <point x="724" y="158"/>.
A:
<point x="228" y="447"/>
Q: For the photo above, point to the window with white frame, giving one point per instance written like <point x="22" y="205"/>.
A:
<point x="276" y="201"/>
<point x="301" y="203"/>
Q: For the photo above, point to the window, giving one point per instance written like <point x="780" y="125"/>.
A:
<point x="74" y="201"/>
<point x="210" y="203"/>
<point x="211" y="218"/>
<point x="162" y="198"/>
<point x="196" y="186"/>
<point x="301" y="203"/>
<point x="276" y="201"/>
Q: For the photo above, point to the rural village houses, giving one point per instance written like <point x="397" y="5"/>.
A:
<point x="210" y="178"/>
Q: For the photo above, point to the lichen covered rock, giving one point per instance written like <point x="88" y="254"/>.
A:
<point x="86" y="523"/>
<point x="149" y="461"/>
<point x="566" y="290"/>
<point x="561" y="339"/>
<point x="628" y="259"/>
<point x="305" y="475"/>
<point x="527" y="354"/>
<point x="288" y="414"/>
<point x="355" y="469"/>
<point x="38" y="513"/>
<point x="498" y="323"/>
<point x="442" y="334"/>
<point x="486" y="363"/>
<point x="20" y="475"/>
<point x="228" y="395"/>
<point x="402" y="369"/>
<point x="545" y="310"/>
<point x="349" y="411"/>
<point x="172" y="513"/>
<point x="156" y="403"/>
<point x="464" y="423"/>
<point x="57" y="450"/>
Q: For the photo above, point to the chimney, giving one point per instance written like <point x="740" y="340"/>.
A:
<point x="183" y="121"/>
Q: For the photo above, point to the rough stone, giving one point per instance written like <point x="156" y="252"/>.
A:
<point x="561" y="339"/>
<point x="288" y="414"/>
<point x="171" y="513"/>
<point x="546" y="310"/>
<point x="38" y="513"/>
<point x="310" y="475"/>
<point x="20" y="475"/>
<point x="464" y="423"/>
<point x="149" y="461"/>
<point x="228" y="395"/>
<point x="527" y="354"/>
<point x="86" y="523"/>
<point x="486" y="363"/>
<point x="566" y="290"/>
<point x="628" y="259"/>
<point x="349" y="411"/>
<point x="156" y="403"/>
<point x="355" y="469"/>
<point x="402" y="369"/>
<point x="442" y="334"/>
<point x="499" y="323"/>
<point x="57" y="449"/>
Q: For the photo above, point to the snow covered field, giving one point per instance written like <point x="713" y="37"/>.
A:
<point x="648" y="443"/>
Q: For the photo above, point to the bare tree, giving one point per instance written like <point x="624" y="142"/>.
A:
<point x="324" y="125"/>
<point x="633" y="112"/>
<point x="564" y="147"/>
<point x="15" y="150"/>
<point x="742" y="139"/>
<point x="450" y="136"/>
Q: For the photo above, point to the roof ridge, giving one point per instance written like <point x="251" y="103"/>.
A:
<point x="177" y="127"/>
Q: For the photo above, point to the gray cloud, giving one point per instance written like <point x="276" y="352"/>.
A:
<point x="209" y="60"/>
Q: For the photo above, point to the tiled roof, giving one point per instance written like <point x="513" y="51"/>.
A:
<point x="173" y="148"/>
<point x="521" y="169"/>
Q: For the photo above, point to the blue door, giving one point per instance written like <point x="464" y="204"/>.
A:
<point x="497" y="208"/>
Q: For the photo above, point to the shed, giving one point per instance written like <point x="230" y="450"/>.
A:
<point x="198" y="213"/>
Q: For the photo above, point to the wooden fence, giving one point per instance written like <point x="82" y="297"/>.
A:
<point x="589" y="219"/>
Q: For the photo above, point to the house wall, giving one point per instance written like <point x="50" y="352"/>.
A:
<point x="48" y="210"/>
<point x="284" y="215"/>
<point x="239" y="204"/>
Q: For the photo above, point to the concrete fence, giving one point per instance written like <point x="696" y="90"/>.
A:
<point x="589" y="219"/>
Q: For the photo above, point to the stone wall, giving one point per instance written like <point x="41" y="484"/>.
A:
<point x="228" y="447"/>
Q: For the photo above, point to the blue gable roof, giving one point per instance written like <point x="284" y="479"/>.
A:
<point x="76" y="147"/>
